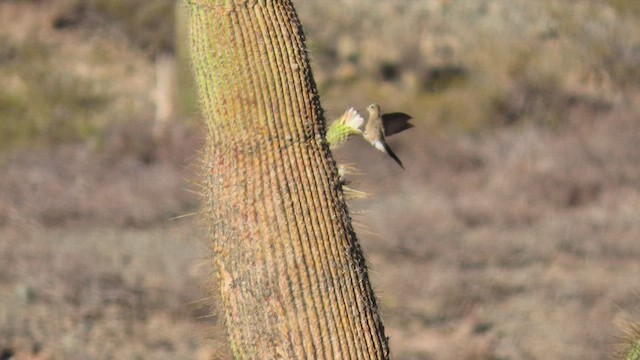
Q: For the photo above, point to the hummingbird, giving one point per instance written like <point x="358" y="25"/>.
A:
<point x="381" y="125"/>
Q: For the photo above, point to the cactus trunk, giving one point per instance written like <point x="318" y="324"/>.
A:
<point x="292" y="276"/>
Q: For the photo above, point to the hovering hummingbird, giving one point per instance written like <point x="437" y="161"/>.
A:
<point x="381" y="125"/>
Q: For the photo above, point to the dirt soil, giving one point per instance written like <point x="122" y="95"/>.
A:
<point x="516" y="244"/>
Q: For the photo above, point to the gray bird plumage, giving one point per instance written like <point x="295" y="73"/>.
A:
<point x="374" y="131"/>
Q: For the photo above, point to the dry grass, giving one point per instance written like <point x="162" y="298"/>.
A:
<point x="513" y="233"/>
<point x="511" y="245"/>
<point x="100" y="293"/>
<point x="129" y="181"/>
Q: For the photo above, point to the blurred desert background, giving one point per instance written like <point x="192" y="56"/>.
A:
<point x="514" y="232"/>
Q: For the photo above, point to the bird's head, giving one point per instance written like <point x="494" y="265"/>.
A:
<point x="374" y="110"/>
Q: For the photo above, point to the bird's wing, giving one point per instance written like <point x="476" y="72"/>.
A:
<point x="396" y="122"/>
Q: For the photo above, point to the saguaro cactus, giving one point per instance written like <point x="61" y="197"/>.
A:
<point x="292" y="276"/>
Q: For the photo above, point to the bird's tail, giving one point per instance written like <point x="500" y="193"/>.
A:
<point x="385" y="148"/>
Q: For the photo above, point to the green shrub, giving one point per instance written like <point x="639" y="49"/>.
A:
<point x="43" y="103"/>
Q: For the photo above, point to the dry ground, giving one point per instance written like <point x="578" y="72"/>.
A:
<point x="517" y="244"/>
<point x="513" y="234"/>
<point x="104" y="293"/>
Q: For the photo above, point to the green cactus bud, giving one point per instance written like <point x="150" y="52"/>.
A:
<point x="343" y="128"/>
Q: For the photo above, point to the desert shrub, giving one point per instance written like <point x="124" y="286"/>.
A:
<point x="41" y="101"/>
<point x="148" y="25"/>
